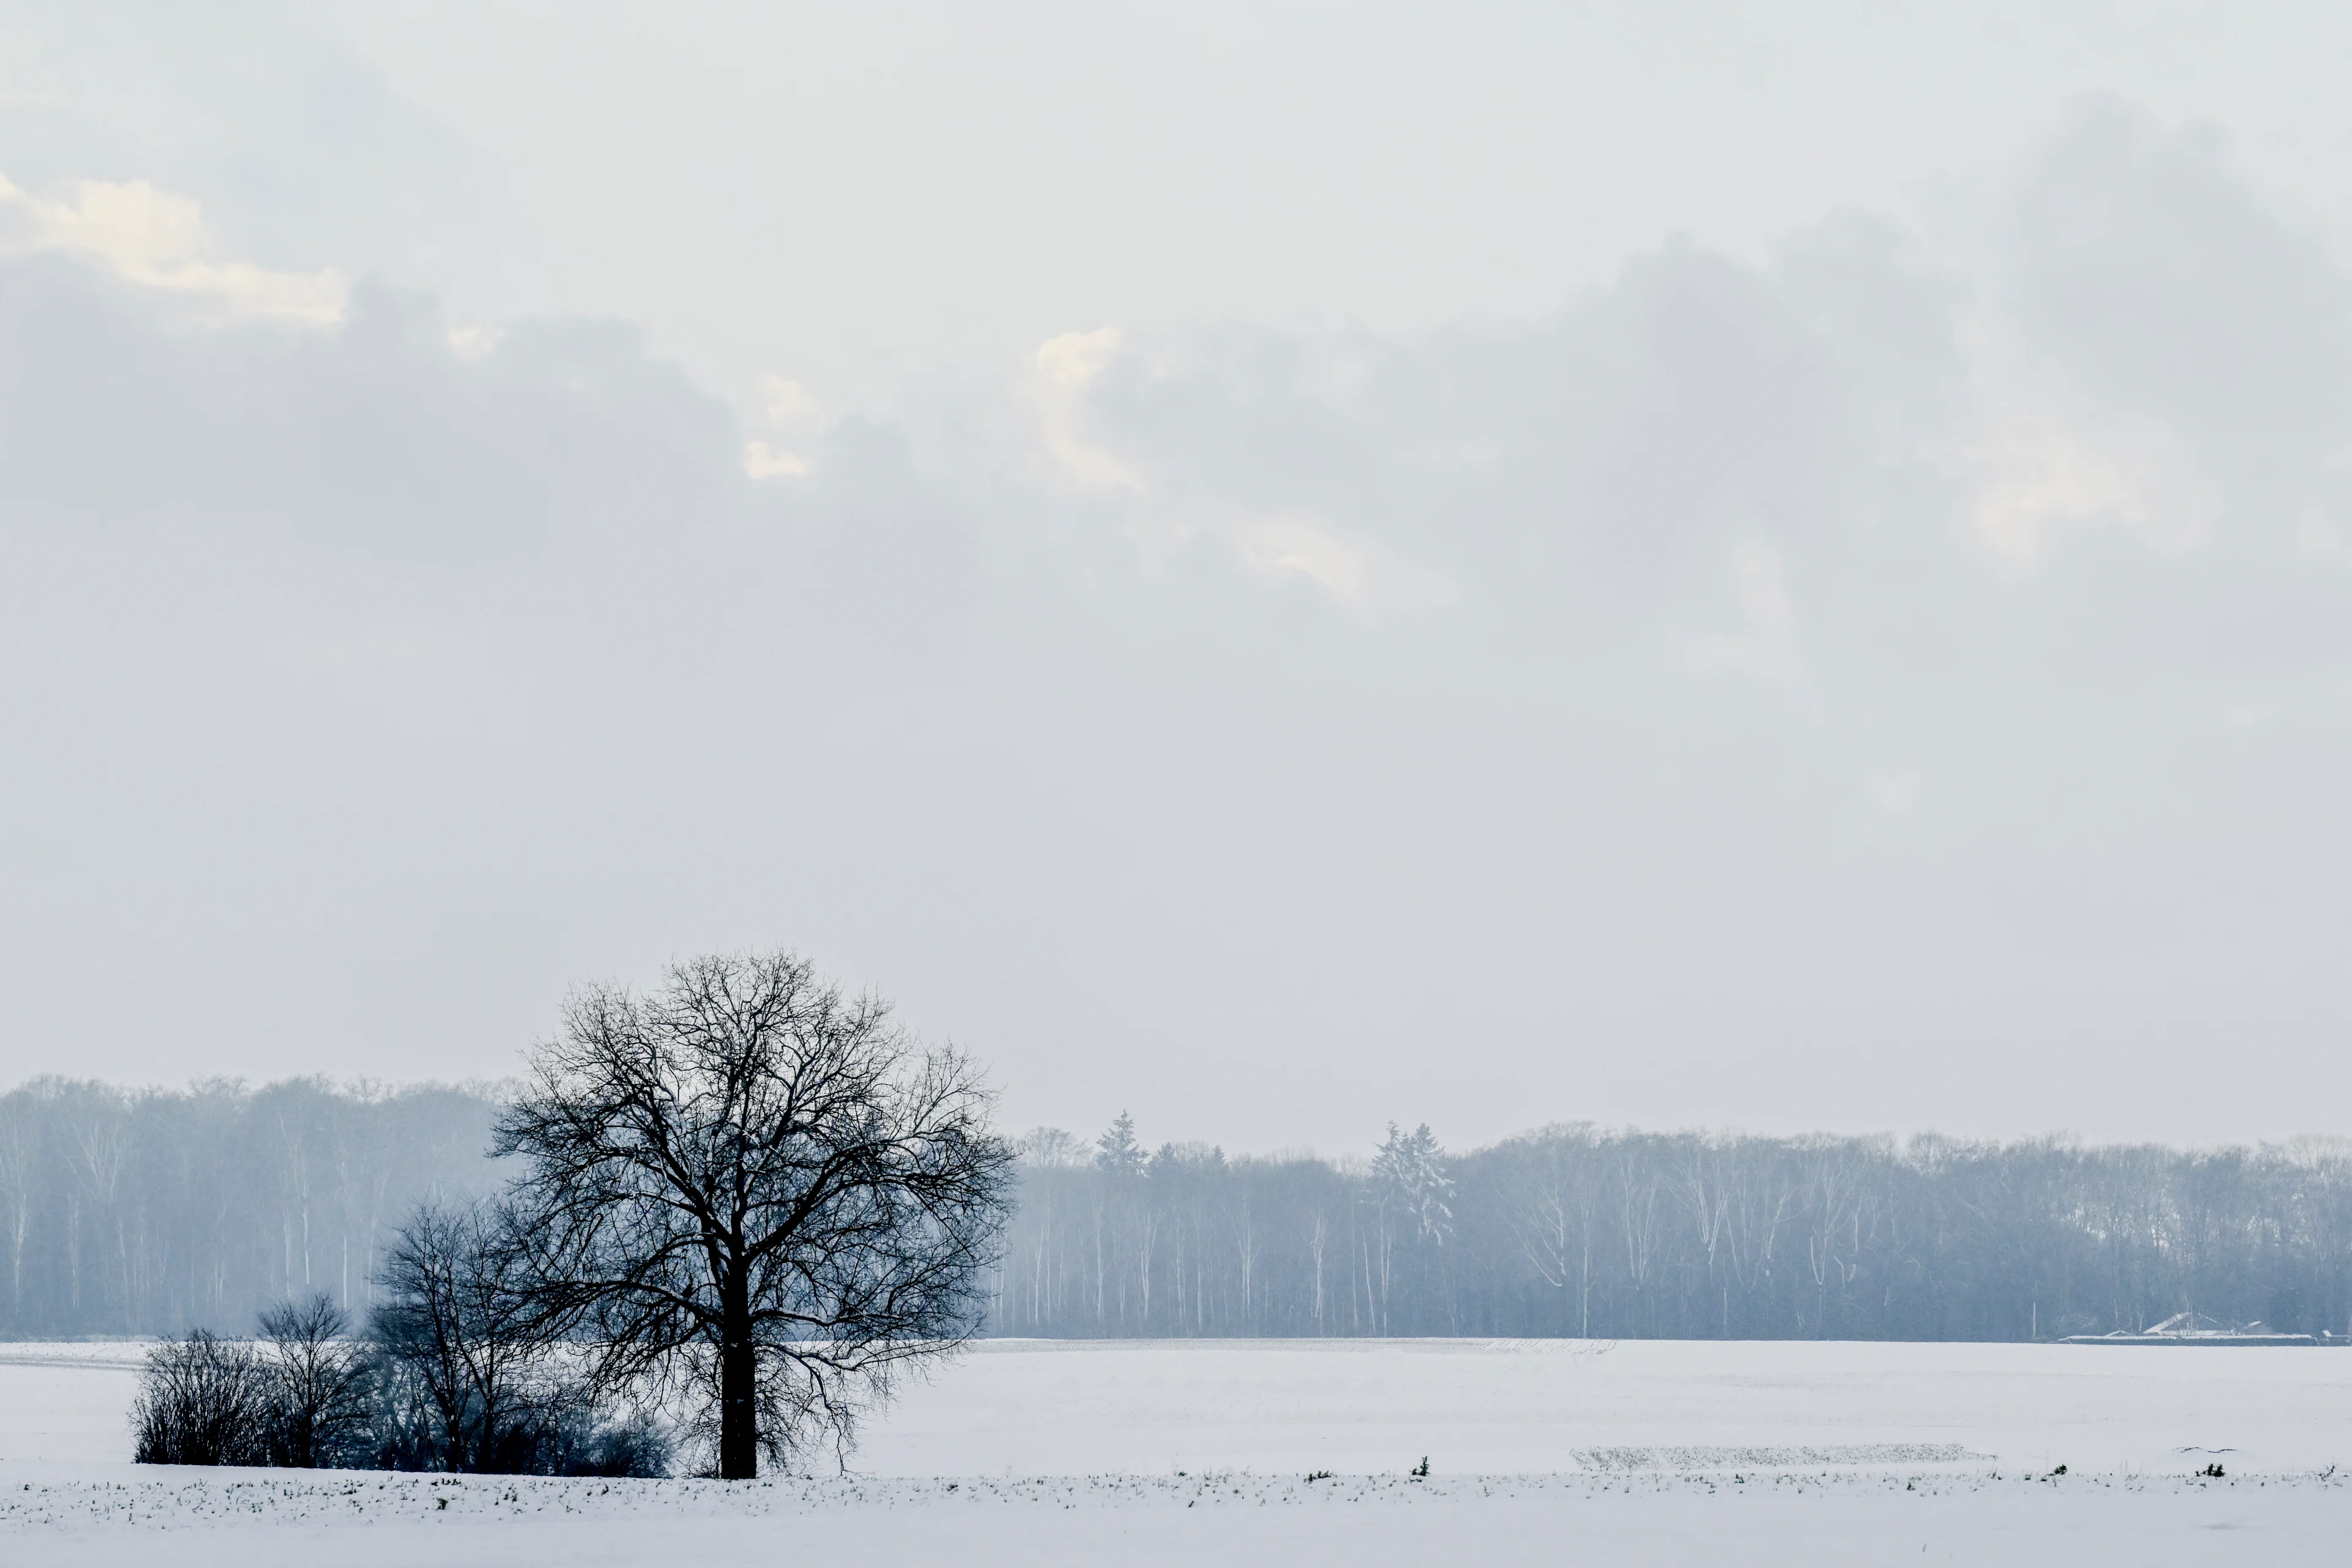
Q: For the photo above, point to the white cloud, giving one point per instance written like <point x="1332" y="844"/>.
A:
<point x="473" y="342"/>
<point x="156" y="239"/>
<point x="1357" y="572"/>
<point x="788" y="406"/>
<point x="763" y="461"/>
<point x="2045" y="476"/>
<point x="1286" y="544"/>
<point x="1065" y="367"/>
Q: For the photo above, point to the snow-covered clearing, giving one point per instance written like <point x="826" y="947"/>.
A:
<point x="1029" y="1452"/>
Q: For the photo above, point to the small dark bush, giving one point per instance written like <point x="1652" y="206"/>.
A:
<point x="202" y="1401"/>
<point x="631" y="1446"/>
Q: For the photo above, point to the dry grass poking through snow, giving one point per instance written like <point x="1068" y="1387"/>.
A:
<point x="173" y="1498"/>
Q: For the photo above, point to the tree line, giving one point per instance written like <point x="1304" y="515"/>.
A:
<point x="154" y="1212"/>
<point x="1576" y="1230"/>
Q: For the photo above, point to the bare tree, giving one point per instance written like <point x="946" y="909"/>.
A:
<point x="20" y="1151"/>
<point x="321" y="1377"/>
<point x="464" y="1338"/>
<point x="748" y="1189"/>
<point x="1554" y="1201"/>
<point x="1051" y="1149"/>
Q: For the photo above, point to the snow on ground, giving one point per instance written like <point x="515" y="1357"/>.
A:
<point x="1030" y="1452"/>
<point x="1036" y="1407"/>
<point x="67" y="1402"/>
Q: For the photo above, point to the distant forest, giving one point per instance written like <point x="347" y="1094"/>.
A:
<point x="154" y="1211"/>
<point x="1576" y="1230"/>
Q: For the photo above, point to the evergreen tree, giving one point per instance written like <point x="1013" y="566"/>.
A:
<point x="1408" y="1174"/>
<point x="1117" y="1150"/>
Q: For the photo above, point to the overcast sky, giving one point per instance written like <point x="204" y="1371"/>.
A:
<point x="1277" y="566"/>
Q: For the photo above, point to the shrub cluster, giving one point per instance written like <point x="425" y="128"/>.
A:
<point x="203" y="1401"/>
<point x="308" y="1394"/>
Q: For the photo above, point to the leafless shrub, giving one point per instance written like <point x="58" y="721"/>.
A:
<point x="202" y="1401"/>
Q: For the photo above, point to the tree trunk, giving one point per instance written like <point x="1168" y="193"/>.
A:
<point x="739" y="1409"/>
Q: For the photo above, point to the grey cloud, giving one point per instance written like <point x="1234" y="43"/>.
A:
<point x="1604" y="458"/>
<point x="367" y="693"/>
<point x="1836" y="405"/>
<point x="2147" y="268"/>
<point x="121" y="410"/>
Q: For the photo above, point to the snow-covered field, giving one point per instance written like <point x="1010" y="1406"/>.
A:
<point x="1198" y="1451"/>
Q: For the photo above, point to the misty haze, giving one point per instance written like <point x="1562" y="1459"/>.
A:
<point x="1059" y="781"/>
